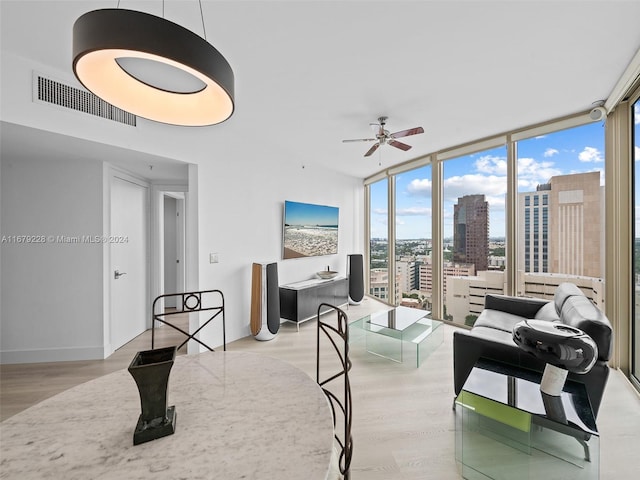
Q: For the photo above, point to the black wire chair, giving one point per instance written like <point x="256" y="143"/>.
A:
<point x="337" y="334"/>
<point x="191" y="302"/>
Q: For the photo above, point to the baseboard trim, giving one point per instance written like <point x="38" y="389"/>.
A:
<point x="41" y="355"/>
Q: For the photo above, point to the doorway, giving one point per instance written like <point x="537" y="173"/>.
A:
<point x="173" y="245"/>
<point x="129" y="272"/>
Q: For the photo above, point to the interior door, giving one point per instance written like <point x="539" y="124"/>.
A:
<point x="170" y="250"/>
<point x="129" y="260"/>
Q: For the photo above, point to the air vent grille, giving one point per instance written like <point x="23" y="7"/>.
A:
<point x="57" y="93"/>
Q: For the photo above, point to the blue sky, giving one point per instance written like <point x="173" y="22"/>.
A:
<point x="308" y="214"/>
<point x="575" y="150"/>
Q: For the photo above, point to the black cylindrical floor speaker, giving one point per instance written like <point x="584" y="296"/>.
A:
<point x="355" y="272"/>
<point x="265" y="301"/>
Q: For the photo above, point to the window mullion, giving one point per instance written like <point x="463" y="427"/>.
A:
<point x="391" y="242"/>
<point x="511" y="227"/>
<point x="437" y="240"/>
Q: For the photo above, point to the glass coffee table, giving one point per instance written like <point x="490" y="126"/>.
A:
<point x="507" y="428"/>
<point x="402" y="334"/>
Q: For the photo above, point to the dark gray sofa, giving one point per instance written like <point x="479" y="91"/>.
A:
<point x="491" y="335"/>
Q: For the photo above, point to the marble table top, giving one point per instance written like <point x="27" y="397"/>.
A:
<point x="239" y="415"/>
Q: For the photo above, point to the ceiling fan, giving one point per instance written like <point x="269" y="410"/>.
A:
<point x="383" y="136"/>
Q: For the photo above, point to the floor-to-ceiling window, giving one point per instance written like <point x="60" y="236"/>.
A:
<point x="378" y="240"/>
<point x="516" y="214"/>
<point x="474" y="240"/>
<point x="552" y="220"/>
<point x="635" y="327"/>
<point x="413" y="246"/>
<point x="560" y="211"/>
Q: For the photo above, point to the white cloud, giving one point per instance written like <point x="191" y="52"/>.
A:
<point x="531" y="172"/>
<point x="550" y="152"/>
<point x="637" y="153"/>
<point x="540" y="136"/>
<point x="421" y="187"/>
<point x="491" y="164"/>
<point x="636" y="114"/>
<point x="380" y="211"/>
<point x="496" y="202"/>
<point x="590" y="154"/>
<point x="474" y="184"/>
<point x="413" y="212"/>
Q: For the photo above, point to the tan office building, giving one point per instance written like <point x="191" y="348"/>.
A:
<point x="561" y="226"/>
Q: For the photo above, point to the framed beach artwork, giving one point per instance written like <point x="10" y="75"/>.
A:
<point x="309" y="230"/>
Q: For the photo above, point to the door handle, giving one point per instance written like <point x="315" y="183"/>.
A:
<point x="117" y="274"/>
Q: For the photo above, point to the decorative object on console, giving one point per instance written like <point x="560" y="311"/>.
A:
<point x="564" y="348"/>
<point x="309" y="230"/>
<point x="265" y="301"/>
<point x="153" y="68"/>
<point x="150" y="369"/>
<point x="327" y="274"/>
<point x="355" y="273"/>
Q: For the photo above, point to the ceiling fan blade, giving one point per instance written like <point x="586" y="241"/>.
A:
<point x="406" y="133"/>
<point x="400" y="145"/>
<point x="359" y="140"/>
<point x="372" y="149"/>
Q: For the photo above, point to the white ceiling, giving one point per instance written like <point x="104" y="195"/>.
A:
<point x="311" y="73"/>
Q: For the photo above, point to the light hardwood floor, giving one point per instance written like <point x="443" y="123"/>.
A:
<point x="403" y="423"/>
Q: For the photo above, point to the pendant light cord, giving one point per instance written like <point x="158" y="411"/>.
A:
<point x="204" y="30"/>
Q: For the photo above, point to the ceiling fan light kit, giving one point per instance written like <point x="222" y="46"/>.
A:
<point x="384" y="136"/>
<point x="106" y="42"/>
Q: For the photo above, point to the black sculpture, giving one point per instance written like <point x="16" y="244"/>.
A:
<point x="562" y="347"/>
<point x="150" y="369"/>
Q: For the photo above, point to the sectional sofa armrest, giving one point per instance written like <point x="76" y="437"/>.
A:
<point x="521" y="306"/>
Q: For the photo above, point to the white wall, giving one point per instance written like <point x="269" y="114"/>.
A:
<point x="52" y="301"/>
<point x="240" y="218"/>
<point x="238" y="195"/>
<point x="51" y="292"/>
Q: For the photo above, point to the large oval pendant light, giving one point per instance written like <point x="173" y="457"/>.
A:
<point x="125" y="57"/>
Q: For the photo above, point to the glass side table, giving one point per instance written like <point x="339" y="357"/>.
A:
<point x="402" y="334"/>
<point x="506" y="428"/>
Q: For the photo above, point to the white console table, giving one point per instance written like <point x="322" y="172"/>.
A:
<point x="299" y="301"/>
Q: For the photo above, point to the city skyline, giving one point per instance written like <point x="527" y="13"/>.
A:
<point x="575" y="150"/>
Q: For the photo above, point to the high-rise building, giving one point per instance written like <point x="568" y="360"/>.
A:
<point x="471" y="231"/>
<point x="561" y="227"/>
<point x="406" y="273"/>
<point x="534" y="212"/>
